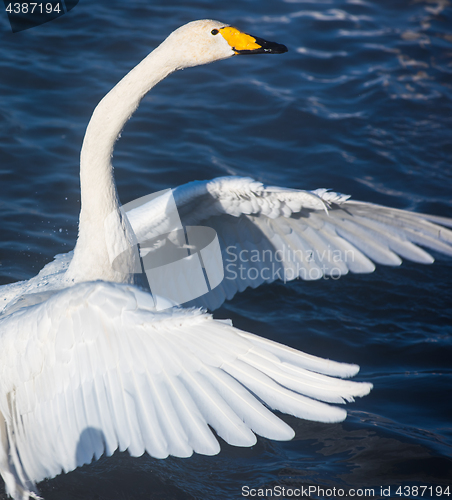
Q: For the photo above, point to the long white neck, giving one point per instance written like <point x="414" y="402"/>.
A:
<point x="104" y="232"/>
<point x="106" y="246"/>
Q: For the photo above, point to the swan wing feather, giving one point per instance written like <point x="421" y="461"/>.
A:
<point x="270" y="233"/>
<point x="95" y="368"/>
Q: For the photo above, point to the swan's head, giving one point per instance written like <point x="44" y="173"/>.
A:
<point x="202" y="42"/>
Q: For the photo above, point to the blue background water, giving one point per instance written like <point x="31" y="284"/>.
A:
<point x="362" y="103"/>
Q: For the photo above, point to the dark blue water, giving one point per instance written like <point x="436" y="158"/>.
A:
<point x="362" y="103"/>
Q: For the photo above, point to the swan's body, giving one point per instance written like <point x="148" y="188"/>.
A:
<point x="95" y="361"/>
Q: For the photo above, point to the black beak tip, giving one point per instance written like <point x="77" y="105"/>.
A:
<point x="270" y="47"/>
<point x="265" y="48"/>
<point x="276" y="48"/>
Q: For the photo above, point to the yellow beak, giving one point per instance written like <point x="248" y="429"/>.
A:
<point x="242" y="43"/>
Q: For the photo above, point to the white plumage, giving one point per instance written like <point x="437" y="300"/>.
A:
<point x="95" y="367"/>
<point x="281" y="233"/>
<point x="87" y="364"/>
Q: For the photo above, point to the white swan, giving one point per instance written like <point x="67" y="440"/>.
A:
<point x="89" y="366"/>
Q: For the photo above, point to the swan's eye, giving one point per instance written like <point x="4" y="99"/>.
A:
<point x="215" y="32"/>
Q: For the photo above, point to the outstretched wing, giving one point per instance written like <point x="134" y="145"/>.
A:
<point x="269" y="233"/>
<point x="95" y="368"/>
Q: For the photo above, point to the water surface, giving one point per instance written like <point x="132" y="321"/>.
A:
<point x="362" y="104"/>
